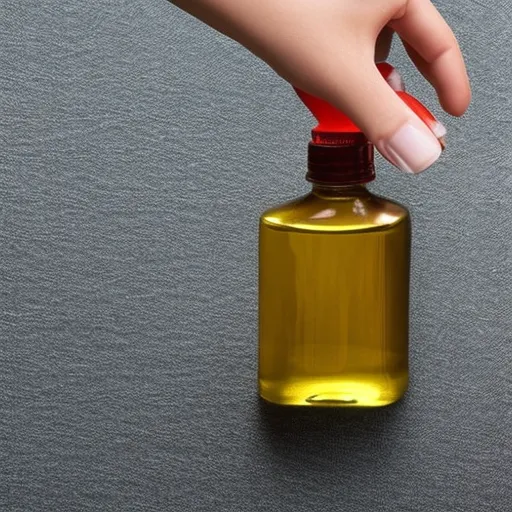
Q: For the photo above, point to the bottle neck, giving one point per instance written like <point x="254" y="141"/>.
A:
<point x="332" y="191"/>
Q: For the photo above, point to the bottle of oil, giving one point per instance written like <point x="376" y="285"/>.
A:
<point x="334" y="279"/>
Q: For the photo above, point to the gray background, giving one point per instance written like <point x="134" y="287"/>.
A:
<point x="138" y="148"/>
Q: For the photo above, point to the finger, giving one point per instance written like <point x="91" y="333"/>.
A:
<point x="419" y="62"/>
<point x="432" y="46"/>
<point x="397" y="132"/>
<point x="392" y="76"/>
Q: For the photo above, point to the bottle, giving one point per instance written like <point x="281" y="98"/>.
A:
<point x="334" y="278"/>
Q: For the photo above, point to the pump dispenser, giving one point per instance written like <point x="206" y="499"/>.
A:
<point x="334" y="278"/>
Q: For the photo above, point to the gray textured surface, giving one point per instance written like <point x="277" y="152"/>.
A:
<point x="137" y="151"/>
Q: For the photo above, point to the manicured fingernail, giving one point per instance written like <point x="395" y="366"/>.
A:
<point x="412" y="148"/>
<point x="438" y="129"/>
<point x="395" y="81"/>
<point x="392" y="76"/>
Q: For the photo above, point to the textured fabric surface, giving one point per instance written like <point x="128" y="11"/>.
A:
<point x="138" y="149"/>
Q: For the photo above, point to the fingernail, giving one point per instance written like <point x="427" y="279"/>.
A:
<point x="394" y="79"/>
<point x="438" y="129"/>
<point x="412" y="148"/>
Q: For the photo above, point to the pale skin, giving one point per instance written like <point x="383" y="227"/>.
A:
<point x="329" y="48"/>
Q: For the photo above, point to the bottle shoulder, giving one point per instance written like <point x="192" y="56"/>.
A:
<point x="352" y="212"/>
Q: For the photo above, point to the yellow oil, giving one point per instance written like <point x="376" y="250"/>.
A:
<point x="333" y="300"/>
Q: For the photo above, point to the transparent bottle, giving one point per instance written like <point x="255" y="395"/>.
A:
<point x="334" y="294"/>
<point x="334" y="279"/>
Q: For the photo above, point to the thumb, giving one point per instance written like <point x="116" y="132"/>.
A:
<point x="397" y="132"/>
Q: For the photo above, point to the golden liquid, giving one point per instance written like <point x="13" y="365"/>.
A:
<point x="334" y="294"/>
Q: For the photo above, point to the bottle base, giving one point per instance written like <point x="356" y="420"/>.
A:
<point x="334" y="392"/>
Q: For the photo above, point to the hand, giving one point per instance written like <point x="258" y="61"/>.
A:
<point x="328" y="47"/>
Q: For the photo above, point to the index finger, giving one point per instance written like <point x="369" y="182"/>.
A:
<point x="434" y="49"/>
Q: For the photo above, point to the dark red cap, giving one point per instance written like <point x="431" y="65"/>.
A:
<point x="349" y="162"/>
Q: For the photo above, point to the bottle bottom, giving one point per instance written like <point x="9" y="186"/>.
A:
<point x="335" y="391"/>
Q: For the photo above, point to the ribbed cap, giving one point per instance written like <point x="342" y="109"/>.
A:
<point x="348" y="160"/>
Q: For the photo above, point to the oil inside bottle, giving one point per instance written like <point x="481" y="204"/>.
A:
<point x="334" y="293"/>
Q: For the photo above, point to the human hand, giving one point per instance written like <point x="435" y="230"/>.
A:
<point x="328" y="48"/>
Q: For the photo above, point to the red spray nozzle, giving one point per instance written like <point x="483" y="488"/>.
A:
<point x="330" y="119"/>
<point x="332" y="123"/>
